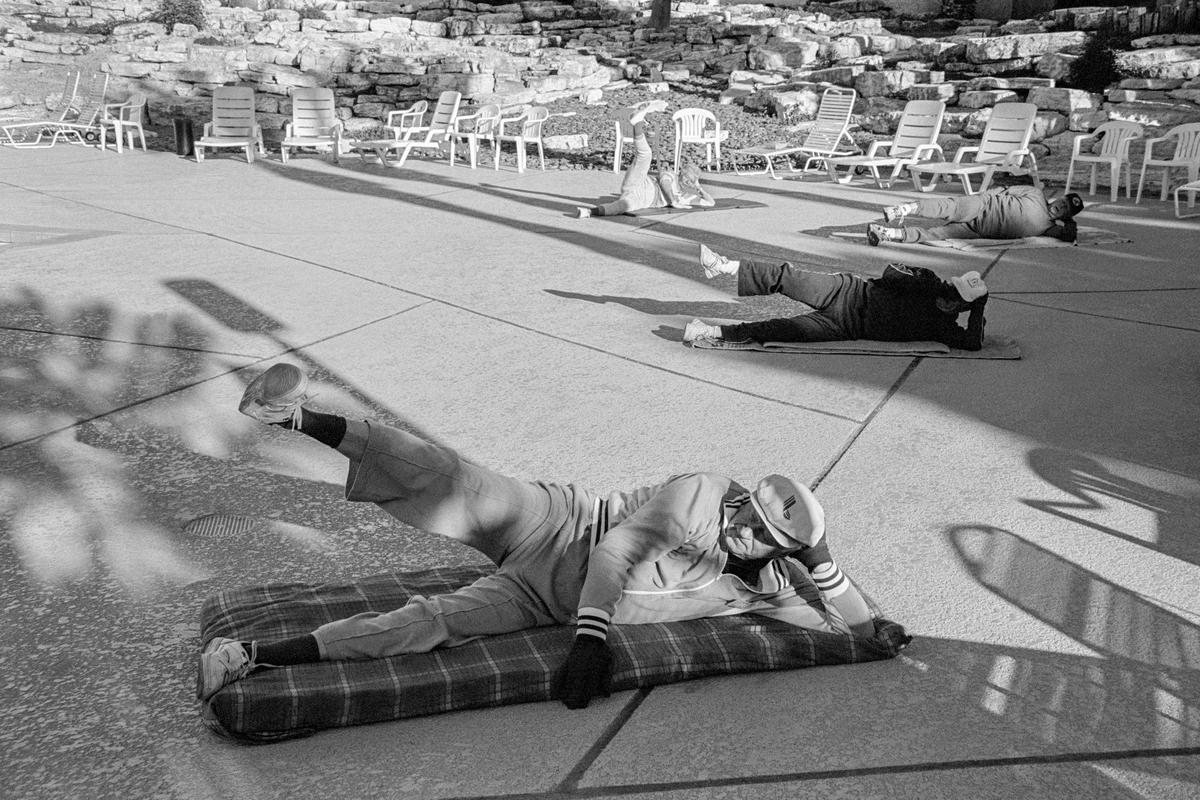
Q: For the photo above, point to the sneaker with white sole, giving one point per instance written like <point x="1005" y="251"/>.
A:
<point x="222" y="662"/>
<point x="276" y="395"/>
<point x="699" y="329"/>
<point x="877" y="233"/>
<point x="895" y="213"/>
<point x="715" y="264"/>
<point x="582" y="212"/>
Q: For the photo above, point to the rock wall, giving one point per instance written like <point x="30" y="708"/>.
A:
<point x="379" y="55"/>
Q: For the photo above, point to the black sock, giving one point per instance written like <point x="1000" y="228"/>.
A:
<point x="283" y="653"/>
<point x="327" y="429"/>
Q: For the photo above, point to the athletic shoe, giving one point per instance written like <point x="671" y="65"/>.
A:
<point x="276" y="395"/>
<point x="582" y="212"/>
<point x="639" y="111"/>
<point x="714" y="264"/>
<point x="222" y="662"/>
<point x="894" y="213"/>
<point x="877" y="233"/>
<point x="699" y="329"/>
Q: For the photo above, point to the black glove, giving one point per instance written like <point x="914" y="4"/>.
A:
<point x="815" y="556"/>
<point x="587" y="673"/>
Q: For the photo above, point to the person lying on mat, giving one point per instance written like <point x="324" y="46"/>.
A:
<point x="1011" y="212"/>
<point x="696" y="545"/>
<point x="638" y="189"/>
<point x="905" y="304"/>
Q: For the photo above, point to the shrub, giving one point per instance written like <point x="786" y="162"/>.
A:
<point x="1096" y="68"/>
<point x="312" y="12"/>
<point x="189" y="12"/>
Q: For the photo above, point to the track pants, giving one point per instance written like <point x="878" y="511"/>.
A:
<point x="838" y="297"/>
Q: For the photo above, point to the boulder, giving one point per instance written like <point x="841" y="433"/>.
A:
<point x="1161" y="62"/>
<point x="1055" y="66"/>
<point x="779" y="54"/>
<point x="933" y="91"/>
<point x="1026" y="45"/>
<point x="986" y="98"/>
<point x="1155" y="115"/>
<point x="1063" y="100"/>
<point x="884" y="83"/>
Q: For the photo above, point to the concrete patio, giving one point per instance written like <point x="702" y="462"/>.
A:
<point x="1035" y="524"/>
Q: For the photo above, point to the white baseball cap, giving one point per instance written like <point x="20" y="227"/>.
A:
<point x="791" y="512"/>
<point x="970" y="286"/>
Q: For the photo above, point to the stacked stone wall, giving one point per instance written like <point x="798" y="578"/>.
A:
<point x="380" y="55"/>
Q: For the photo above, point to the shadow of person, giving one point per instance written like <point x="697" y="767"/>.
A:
<point x="648" y="305"/>
<point x="1089" y="483"/>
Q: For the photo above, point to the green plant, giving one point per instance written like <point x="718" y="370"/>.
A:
<point x="188" y="12"/>
<point x="1096" y="68"/>
<point x="312" y="12"/>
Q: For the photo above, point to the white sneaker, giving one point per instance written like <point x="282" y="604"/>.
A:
<point x="894" y="213"/>
<point x="276" y="395"/>
<point x="222" y="662"/>
<point x="714" y="264"/>
<point x="699" y="329"/>
<point x="582" y="212"/>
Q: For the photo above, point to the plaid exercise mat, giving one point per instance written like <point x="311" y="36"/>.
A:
<point x="994" y="347"/>
<point x="1087" y="237"/>
<point x="275" y="704"/>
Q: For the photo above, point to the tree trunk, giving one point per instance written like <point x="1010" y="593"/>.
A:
<point x="660" y="15"/>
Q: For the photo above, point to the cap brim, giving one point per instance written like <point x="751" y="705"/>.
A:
<point x="781" y="538"/>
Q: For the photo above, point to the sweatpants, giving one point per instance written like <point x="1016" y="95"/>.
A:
<point x="538" y="535"/>
<point x="638" y="189"/>
<point x="838" y="297"/>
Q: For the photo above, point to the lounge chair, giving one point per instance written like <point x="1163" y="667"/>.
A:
<point x="314" y="123"/>
<point x="1004" y="147"/>
<point x="829" y="137"/>
<point x="18" y="131"/>
<point x="79" y="124"/>
<point x="1114" y="138"/>
<point x="234" y="123"/>
<point x="1186" y="155"/>
<point x="915" y="141"/>
<point x="699" y="126"/>
<point x="125" y="119"/>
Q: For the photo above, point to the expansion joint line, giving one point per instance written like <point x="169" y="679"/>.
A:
<point x="862" y="426"/>
<point x="571" y="782"/>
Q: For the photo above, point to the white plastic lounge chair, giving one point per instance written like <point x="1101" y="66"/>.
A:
<point x="699" y="126"/>
<point x="234" y="123"/>
<point x="80" y="123"/>
<point x="24" y="132"/>
<point x="829" y="137"/>
<point x="435" y="135"/>
<point x="1114" y="138"/>
<point x="915" y="141"/>
<point x="482" y="126"/>
<point x="1004" y="146"/>
<point x="1186" y="155"/>
<point x="314" y="123"/>
<point x="529" y="132"/>
<point x="125" y="119"/>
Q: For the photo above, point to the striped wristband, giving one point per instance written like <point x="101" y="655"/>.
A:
<point x="592" y="622"/>
<point x="829" y="579"/>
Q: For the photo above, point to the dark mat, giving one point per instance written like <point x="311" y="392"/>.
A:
<point x="994" y="347"/>
<point x="275" y="704"/>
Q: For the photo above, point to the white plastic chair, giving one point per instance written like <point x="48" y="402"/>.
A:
<point x="1186" y="155"/>
<point x="1115" y="138"/>
<point x="405" y="122"/>
<point x="623" y="131"/>
<point x="1192" y="188"/>
<point x="79" y="122"/>
<point x="314" y="123"/>
<point x="474" y="129"/>
<point x="125" y="119"/>
<point x="915" y="141"/>
<point x="1004" y="146"/>
<point x="699" y="126"/>
<point x="531" y="121"/>
<point x="234" y="123"/>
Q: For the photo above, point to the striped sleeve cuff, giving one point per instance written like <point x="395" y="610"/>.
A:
<point x="829" y="579"/>
<point x="592" y="622"/>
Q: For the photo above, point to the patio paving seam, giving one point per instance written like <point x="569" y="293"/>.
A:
<point x="1101" y="316"/>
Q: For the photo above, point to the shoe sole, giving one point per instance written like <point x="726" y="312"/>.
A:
<point x="255" y="398"/>
<point x="202" y="673"/>
<point x="872" y="238"/>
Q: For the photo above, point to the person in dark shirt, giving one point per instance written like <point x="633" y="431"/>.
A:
<point x="1011" y="212"/>
<point x="905" y="304"/>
